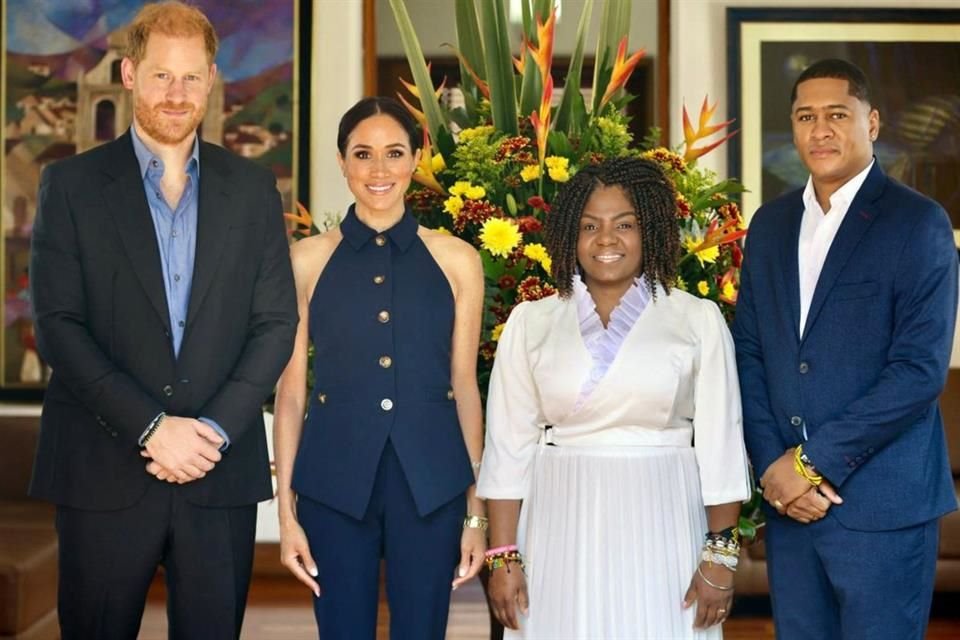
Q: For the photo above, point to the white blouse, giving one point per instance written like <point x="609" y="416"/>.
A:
<point x="672" y="383"/>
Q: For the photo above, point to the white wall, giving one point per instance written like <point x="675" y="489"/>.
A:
<point x="337" y="83"/>
<point x="435" y="23"/>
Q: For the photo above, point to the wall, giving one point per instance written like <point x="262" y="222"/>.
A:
<point x="337" y="83"/>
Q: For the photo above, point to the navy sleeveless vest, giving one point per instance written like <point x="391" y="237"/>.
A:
<point x="381" y="323"/>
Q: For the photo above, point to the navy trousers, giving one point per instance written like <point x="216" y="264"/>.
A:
<point x="830" y="583"/>
<point x="421" y="555"/>
<point x="108" y="560"/>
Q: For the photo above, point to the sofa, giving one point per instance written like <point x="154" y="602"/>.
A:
<point x="28" y="541"/>
<point x="751" y="577"/>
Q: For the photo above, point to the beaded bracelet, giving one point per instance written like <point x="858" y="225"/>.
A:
<point x="503" y="559"/>
<point x="724" y="560"/>
<point x="800" y="466"/>
<point x="496" y="550"/>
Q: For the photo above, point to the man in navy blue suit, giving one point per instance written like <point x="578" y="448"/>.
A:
<point x="844" y="328"/>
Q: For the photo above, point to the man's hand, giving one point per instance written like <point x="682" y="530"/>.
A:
<point x="814" y="504"/>
<point x="782" y="484"/>
<point x="182" y="450"/>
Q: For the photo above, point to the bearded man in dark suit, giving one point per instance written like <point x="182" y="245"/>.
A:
<point x="164" y="303"/>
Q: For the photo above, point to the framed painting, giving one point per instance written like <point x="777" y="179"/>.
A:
<point x="912" y="59"/>
<point x="61" y="91"/>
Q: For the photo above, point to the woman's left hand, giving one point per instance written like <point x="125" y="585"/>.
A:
<point x="713" y="605"/>
<point x="473" y="544"/>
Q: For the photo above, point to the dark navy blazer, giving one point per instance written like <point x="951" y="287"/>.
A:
<point x="865" y="377"/>
<point x="381" y="322"/>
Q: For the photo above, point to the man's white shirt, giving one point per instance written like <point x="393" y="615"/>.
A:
<point x="817" y="231"/>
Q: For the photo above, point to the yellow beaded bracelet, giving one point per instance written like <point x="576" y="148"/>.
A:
<point x="801" y="468"/>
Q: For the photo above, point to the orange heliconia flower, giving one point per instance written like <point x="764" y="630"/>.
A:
<point x="704" y="130"/>
<point x="622" y="69"/>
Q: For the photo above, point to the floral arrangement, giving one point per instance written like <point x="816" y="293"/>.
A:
<point x="491" y="169"/>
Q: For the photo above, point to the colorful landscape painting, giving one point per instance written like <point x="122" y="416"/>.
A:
<point x="61" y="95"/>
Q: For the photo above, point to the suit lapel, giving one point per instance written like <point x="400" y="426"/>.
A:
<point x="127" y="203"/>
<point x="791" y="266"/>
<point x="860" y="216"/>
<point x="213" y="222"/>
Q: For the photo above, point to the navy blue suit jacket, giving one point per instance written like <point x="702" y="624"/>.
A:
<point x="865" y="377"/>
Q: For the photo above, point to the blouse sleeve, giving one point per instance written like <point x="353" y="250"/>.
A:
<point x="513" y="416"/>
<point x="718" y="420"/>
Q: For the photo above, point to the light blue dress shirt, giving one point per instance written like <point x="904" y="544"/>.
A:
<point x="176" y="239"/>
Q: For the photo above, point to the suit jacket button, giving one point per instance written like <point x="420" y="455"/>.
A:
<point x="450" y="394"/>
<point x="804" y="367"/>
<point x="322" y="398"/>
<point x="378" y="279"/>
<point x="796" y="421"/>
<point x="386" y="362"/>
<point x="383" y="317"/>
<point x="167" y="390"/>
<point x="380" y="240"/>
<point x="386" y="404"/>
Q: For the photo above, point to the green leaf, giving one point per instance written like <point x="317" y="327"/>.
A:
<point x="614" y="25"/>
<point x="418" y="67"/>
<point x="503" y="97"/>
<point x="571" y="87"/>
<point x="531" y="89"/>
<point x="542" y="9"/>
<point x="529" y="32"/>
<point x="469" y="43"/>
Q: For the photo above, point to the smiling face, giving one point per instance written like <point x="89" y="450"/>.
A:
<point x="378" y="165"/>
<point x="170" y="86"/>
<point x="833" y="132"/>
<point x="609" y="246"/>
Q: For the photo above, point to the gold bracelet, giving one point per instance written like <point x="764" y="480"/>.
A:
<point x="476" y="522"/>
<point x="798" y="466"/>
<point x="713" y="584"/>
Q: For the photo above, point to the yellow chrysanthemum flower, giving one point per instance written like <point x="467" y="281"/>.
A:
<point x="460" y="187"/>
<point x="437" y="163"/>
<point x="559" y="174"/>
<point x="530" y="172"/>
<point x="475" y="193"/>
<point x="729" y="290"/>
<point x="557" y="162"/>
<point x="500" y="236"/>
<point x="537" y="252"/>
<point x="704" y="255"/>
<point x="474" y="132"/>
<point x="453" y="205"/>
<point x="497" y="331"/>
<point x="703" y="287"/>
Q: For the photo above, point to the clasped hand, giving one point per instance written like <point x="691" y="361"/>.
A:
<point x="792" y="495"/>
<point x="182" y="450"/>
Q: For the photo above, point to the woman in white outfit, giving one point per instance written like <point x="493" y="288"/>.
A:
<point x="614" y="465"/>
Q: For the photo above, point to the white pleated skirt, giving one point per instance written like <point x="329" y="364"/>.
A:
<point x="611" y="537"/>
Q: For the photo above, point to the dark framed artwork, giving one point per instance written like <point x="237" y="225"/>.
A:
<point x="61" y="92"/>
<point x="912" y="58"/>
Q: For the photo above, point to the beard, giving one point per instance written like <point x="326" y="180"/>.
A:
<point x="163" y="128"/>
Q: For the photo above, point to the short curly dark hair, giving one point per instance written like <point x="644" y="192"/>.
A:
<point x="652" y="195"/>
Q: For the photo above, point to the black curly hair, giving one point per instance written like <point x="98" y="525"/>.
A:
<point x="652" y="195"/>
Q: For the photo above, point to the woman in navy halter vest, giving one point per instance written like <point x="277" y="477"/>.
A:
<point x="383" y="465"/>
